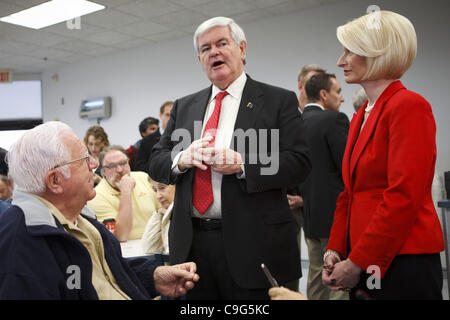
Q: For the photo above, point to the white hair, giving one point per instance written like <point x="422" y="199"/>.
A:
<point x="38" y="151"/>
<point x="236" y="31"/>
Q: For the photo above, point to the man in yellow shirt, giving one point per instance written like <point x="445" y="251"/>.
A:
<point x="122" y="195"/>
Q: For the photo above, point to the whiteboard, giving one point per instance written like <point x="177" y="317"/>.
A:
<point x="8" y="137"/>
<point x="21" y="100"/>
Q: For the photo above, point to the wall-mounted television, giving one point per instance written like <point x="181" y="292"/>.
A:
<point x="98" y="108"/>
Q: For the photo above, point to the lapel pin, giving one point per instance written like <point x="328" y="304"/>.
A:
<point x="250" y="105"/>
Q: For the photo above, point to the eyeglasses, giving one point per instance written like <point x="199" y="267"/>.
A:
<point x="114" y="166"/>
<point x="85" y="157"/>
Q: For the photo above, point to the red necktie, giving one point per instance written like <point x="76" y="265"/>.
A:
<point x="202" y="193"/>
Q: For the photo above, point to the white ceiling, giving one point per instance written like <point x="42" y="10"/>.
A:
<point x="124" y="24"/>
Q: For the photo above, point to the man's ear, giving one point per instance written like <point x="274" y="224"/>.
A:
<point x="323" y="94"/>
<point x="10" y="184"/>
<point x="53" y="181"/>
<point x="243" y="48"/>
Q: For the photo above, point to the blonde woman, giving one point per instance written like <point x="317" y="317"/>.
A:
<point x="385" y="221"/>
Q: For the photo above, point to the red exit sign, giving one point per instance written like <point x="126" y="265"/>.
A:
<point x="5" y="76"/>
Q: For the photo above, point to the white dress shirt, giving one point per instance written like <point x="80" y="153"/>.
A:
<point x="315" y="105"/>
<point x="224" y="134"/>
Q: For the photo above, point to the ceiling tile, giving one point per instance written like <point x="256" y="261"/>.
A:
<point x="41" y="38"/>
<point x="134" y="43"/>
<point x="101" y="50"/>
<point x="266" y="3"/>
<point x="224" y="8"/>
<point x="109" y="18"/>
<point x="16" y="47"/>
<point x="8" y="8"/>
<point x="24" y="4"/>
<point x="17" y="61"/>
<point x="165" y="36"/>
<point x="74" y="57"/>
<point x="182" y="18"/>
<point x="149" y="8"/>
<point x="251" y="16"/>
<point x="143" y="28"/>
<point x="79" y="46"/>
<point x="190" y="3"/>
<point x="4" y="54"/>
<point x="49" y="53"/>
<point x="108" y="37"/>
<point x="324" y="2"/>
<point x="112" y="3"/>
<point x="11" y="31"/>
<point x="291" y="6"/>
<point x="84" y="31"/>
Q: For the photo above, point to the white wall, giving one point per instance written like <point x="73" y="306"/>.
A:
<point x="140" y="80"/>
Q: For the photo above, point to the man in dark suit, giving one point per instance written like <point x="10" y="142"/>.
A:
<point x="139" y="154"/>
<point x="231" y="211"/>
<point x="326" y="132"/>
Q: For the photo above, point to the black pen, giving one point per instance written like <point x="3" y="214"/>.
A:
<point x="269" y="276"/>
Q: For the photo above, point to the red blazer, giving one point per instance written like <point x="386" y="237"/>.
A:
<point x="386" y="206"/>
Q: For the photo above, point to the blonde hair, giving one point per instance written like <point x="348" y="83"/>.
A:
<point x="387" y="40"/>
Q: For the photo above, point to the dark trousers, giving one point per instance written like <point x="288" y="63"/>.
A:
<point x="409" y="277"/>
<point x="215" y="283"/>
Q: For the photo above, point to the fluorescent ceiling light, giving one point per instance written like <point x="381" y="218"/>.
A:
<point x="52" y="12"/>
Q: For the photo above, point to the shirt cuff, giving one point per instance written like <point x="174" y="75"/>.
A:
<point x="242" y="174"/>
<point x="175" y="169"/>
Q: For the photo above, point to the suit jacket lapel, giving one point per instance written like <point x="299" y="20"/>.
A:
<point x="198" y="109"/>
<point x="369" y="127"/>
<point x="353" y="133"/>
<point x="250" y="106"/>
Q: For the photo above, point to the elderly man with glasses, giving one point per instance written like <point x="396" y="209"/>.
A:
<point x="123" y="195"/>
<point x="51" y="244"/>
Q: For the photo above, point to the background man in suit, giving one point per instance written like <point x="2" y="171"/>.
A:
<point x="326" y="132"/>
<point x="150" y="132"/>
<point x="231" y="211"/>
<point x="293" y="194"/>
<point x="164" y="114"/>
<point x="303" y="76"/>
<point x="138" y="158"/>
